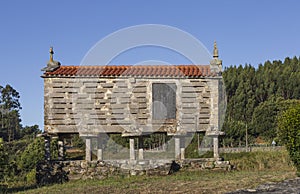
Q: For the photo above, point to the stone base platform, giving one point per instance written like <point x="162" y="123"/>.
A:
<point x="81" y="169"/>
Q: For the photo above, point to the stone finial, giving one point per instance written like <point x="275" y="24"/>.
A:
<point x="51" y="53"/>
<point x="216" y="63"/>
<point x="51" y="65"/>
<point x="216" y="51"/>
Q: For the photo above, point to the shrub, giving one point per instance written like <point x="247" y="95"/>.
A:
<point x="30" y="177"/>
<point x="33" y="153"/>
<point x="288" y="132"/>
<point x="3" y="159"/>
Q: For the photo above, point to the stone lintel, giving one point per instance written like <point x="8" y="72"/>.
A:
<point x="90" y="135"/>
<point x="214" y="133"/>
<point x="134" y="134"/>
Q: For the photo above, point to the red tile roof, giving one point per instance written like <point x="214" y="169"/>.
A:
<point x="132" y="71"/>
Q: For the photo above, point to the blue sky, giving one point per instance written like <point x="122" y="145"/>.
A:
<point x="247" y="31"/>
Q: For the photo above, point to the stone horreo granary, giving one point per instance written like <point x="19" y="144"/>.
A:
<point x="134" y="101"/>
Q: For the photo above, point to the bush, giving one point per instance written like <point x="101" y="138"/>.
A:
<point x="30" y="177"/>
<point x="3" y="159"/>
<point x="288" y="132"/>
<point x="33" y="153"/>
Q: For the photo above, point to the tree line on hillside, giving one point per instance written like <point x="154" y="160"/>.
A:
<point x="255" y="98"/>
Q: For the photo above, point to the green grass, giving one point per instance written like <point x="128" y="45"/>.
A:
<point x="184" y="181"/>
<point x="268" y="160"/>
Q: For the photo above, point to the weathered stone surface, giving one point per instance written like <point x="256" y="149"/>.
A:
<point x="111" y="104"/>
<point x="102" y="169"/>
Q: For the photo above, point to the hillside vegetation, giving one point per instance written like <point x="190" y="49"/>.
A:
<point x="255" y="98"/>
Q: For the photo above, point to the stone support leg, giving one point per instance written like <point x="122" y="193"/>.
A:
<point x="216" y="146"/>
<point x="182" y="147"/>
<point x="182" y="152"/>
<point x="141" y="154"/>
<point x="61" y="150"/>
<point x="47" y="148"/>
<point x="141" y="148"/>
<point x="100" y="148"/>
<point x="131" y="149"/>
<point x="100" y="154"/>
<point x="177" y="148"/>
<point x="88" y="149"/>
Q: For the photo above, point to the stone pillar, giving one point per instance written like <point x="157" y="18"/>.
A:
<point x="88" y="149"/>
<point x="47" y="141"/>
<point x="141" y="148"/>
<point x="216" y="146"/>
<point x="214" y="134"/>
<point x="131" y="149"/>
<point x="177" y="147"/>
<point x="61" y="150"/>
<point x="99" y="154"/>
<point x="182" y="147"/>
<point x="141" y="154"/>
<point x="100" y="148"/>
<point x="182" y="152"/>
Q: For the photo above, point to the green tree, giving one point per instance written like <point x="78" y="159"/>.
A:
<point x="235" y="133"/>
<point x="288" y="132"/>
<point x="30" y="132"/>
<point x="264" y="120"/>
<point x="9" y="110"/>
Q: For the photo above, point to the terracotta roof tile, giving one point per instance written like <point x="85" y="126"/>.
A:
<point x="128" y="70"/>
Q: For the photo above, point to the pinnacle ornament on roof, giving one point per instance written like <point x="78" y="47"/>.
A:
<point x="216" y="63"/>
<point x="51" y="53"/>
<point x="216" y="51"/>
<point x="51" y="65"/>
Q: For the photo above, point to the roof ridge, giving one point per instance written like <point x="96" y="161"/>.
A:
<point x="152" y="65"/>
